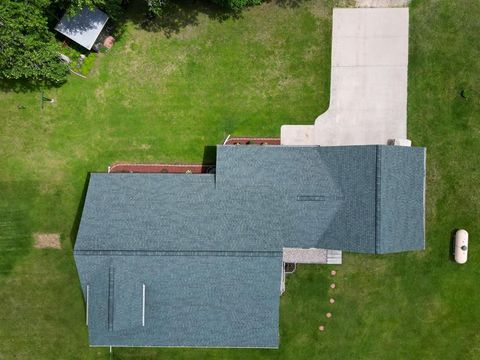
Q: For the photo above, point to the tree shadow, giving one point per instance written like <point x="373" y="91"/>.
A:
<point x="16" y="222"/>
<point x="78" y="215"/>
<point x="178" y="15"/>
<point x="289" y="4"/>
<point x="25" y="86"/>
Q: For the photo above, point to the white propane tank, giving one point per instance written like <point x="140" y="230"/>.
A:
<point x="461" y="246"/>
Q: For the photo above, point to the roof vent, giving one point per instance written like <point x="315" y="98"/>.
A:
<point x="310" y="198"/>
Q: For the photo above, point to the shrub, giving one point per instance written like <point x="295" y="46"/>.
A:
<point x="236" y="4"/>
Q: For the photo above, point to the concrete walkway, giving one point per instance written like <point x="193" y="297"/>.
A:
<point x="368" y="95"/>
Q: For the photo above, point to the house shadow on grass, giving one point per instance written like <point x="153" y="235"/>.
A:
<point x="209" y="155"/>
<point x="78" y="215"/>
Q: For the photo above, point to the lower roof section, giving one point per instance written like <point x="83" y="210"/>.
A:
<point x="400" y="204"/>
<point x="181" y="300"/>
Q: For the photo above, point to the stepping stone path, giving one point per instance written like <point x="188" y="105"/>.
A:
<point x="332" y="301"/>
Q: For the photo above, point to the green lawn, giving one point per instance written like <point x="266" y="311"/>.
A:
<point x="162" y="94"/>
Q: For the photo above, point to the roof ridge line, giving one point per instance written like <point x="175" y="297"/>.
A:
<point x="235" y="253"/>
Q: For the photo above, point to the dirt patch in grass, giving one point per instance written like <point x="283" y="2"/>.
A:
<point x="47" y="241"/>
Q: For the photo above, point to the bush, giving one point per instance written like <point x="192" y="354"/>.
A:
<point x="237" y="4"/>
<point x="155" y="7"/>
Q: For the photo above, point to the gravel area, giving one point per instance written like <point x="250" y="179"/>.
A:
<point x="304" y="256"/>
<point x="311" y="256"/>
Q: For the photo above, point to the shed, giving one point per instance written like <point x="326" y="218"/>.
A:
<point x="83" y="27"/>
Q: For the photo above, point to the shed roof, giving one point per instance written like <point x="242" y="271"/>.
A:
<point x="83" y="27"/>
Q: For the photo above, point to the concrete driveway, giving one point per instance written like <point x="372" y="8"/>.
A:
<point x="368" y="96"/>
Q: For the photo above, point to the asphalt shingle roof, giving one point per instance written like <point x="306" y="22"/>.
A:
<point x="190" y="300"/>
<point x="209" y="247"/>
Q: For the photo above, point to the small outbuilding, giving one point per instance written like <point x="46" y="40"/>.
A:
<point x="84" y="27"/>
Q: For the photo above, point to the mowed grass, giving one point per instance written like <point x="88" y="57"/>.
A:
<point x="157" y="98"/>
<point x="163" y="97"/>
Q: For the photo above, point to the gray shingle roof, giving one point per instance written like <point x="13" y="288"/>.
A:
<point x="326" y="195"/>
<point x="400" y="199"/>
<point x="197" y="301"/>
<point x="220" y="237"/>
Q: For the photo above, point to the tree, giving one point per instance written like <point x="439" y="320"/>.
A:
<point x="113" y="8"/>
<point x="236" y="4"/>
<point x="28" y="50"/>
<point x="155" y="7"/>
